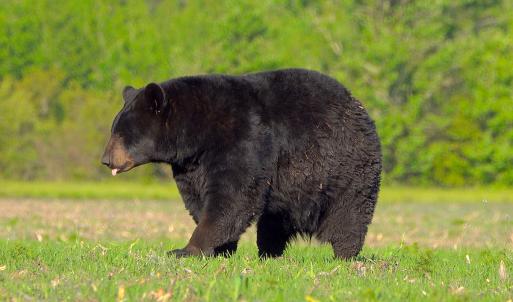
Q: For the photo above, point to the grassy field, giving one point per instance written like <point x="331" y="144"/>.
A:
<point x="140" y="271"/>
<point x="90" y="190"/>
<point x="79" y="244"/>
<point x="116" y="189"/>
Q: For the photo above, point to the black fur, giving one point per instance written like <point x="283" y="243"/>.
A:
<point x="290" y="149"/>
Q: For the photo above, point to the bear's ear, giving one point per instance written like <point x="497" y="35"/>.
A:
<point x="156" y="97"/>
<point x="129" y="93"/>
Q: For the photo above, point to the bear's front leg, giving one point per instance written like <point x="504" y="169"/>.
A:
<point x="204" y="240"/>
<point x="214" y="236"/>
<point x="224" y="218"/>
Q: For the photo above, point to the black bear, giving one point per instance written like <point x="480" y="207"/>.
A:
<point x="290" y="149"/>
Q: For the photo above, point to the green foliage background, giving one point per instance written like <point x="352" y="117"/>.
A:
<point x="437" y="76"/>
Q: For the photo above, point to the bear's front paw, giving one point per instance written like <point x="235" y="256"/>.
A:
<point x="180" y="253"/>
<point x="189" y="251"/>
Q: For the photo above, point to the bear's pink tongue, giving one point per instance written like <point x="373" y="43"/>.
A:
<point x="114" y="172"/>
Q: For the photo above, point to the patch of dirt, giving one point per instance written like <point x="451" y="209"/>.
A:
<point x="94" y="220"/>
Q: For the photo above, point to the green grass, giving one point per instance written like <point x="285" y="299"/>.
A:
<point x="135" y="271"/>
<point x="89" y="190"/>
<point x="424" y="244"/>
<point x="165" y="191"/>
<point x="445" y="195"/>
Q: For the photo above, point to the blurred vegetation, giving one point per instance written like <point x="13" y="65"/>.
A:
<point x="436" y="76"/>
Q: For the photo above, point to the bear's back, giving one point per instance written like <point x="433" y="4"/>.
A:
<point x="296" y="105"/>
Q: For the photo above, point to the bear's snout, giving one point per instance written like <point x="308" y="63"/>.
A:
<point x="106" y="158"/>
<point x="116" y="156"/>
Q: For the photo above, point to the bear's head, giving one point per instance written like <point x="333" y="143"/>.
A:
<point x="138" y="130"/>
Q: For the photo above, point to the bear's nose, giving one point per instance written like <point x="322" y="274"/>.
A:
<point x="106" y="159"/>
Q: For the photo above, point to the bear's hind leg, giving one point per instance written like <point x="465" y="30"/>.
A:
<point x="272" y="235"/>
<point x="348" y="244"/>
<point x="345" y="229"/>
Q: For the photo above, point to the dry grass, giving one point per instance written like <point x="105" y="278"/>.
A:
<point x="427" y="224"/>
